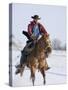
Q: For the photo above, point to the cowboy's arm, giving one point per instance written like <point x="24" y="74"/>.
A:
<point x="43" y="30"/>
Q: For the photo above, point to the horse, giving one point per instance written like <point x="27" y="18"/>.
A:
<point x="36" y="60"/>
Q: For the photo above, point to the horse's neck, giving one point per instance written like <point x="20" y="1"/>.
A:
<point x="40" y="45"/>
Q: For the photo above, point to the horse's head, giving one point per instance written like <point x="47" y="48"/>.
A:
<point x="45" y="37"/>
<point x="45" y="42"/>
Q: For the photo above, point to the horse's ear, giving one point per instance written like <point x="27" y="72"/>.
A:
<point x="47" y="36"/>
<point x="43" y="35"/>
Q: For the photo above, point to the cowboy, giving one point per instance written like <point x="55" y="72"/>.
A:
<point x="35" y="29"/>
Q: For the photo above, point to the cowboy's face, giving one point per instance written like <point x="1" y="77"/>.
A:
<point x="36" y="20"/>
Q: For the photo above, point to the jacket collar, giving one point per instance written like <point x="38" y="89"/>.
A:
<point x="33" y="22"/>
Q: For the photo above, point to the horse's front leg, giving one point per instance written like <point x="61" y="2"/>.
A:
<point x="33" y="74"/>
<point x="42" y="70"/>
<point x="22" y="69"/>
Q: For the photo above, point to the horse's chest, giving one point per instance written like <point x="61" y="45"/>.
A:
<point x="41" y="55"/>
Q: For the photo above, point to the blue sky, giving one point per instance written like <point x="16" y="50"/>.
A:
<point x="53" y="19"/>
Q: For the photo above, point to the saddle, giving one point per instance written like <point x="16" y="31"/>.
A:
<point x="30" y="43"/>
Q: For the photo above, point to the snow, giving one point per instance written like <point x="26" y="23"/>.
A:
<point x="55" y="75"/>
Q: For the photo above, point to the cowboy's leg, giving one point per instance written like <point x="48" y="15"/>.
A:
<point x="28" y="36"/>
<point x="23" y="57"/>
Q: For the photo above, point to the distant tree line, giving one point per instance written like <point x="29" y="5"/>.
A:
<point x="57" y="44"/>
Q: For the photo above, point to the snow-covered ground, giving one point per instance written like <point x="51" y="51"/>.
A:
<point x="56" y="75"/>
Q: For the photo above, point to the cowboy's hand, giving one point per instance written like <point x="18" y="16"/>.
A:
<point x="33" y="37"/>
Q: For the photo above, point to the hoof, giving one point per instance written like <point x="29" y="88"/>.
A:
<point x="17" y="71"/>
<point x="48" y="68"/>
<point x="44" y="82"/>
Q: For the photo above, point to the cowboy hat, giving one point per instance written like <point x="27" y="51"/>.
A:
<point x="35" y="17"/>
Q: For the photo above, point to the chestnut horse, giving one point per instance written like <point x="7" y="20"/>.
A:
<point x="36" y="60"/>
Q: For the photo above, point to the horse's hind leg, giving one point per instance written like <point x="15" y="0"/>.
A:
<point x="33" y="75"/>
<point x="42" y="70"/>
<point x="22" y="70"/>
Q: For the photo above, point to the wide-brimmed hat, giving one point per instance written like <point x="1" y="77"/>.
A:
<point x="35" y="17"/>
